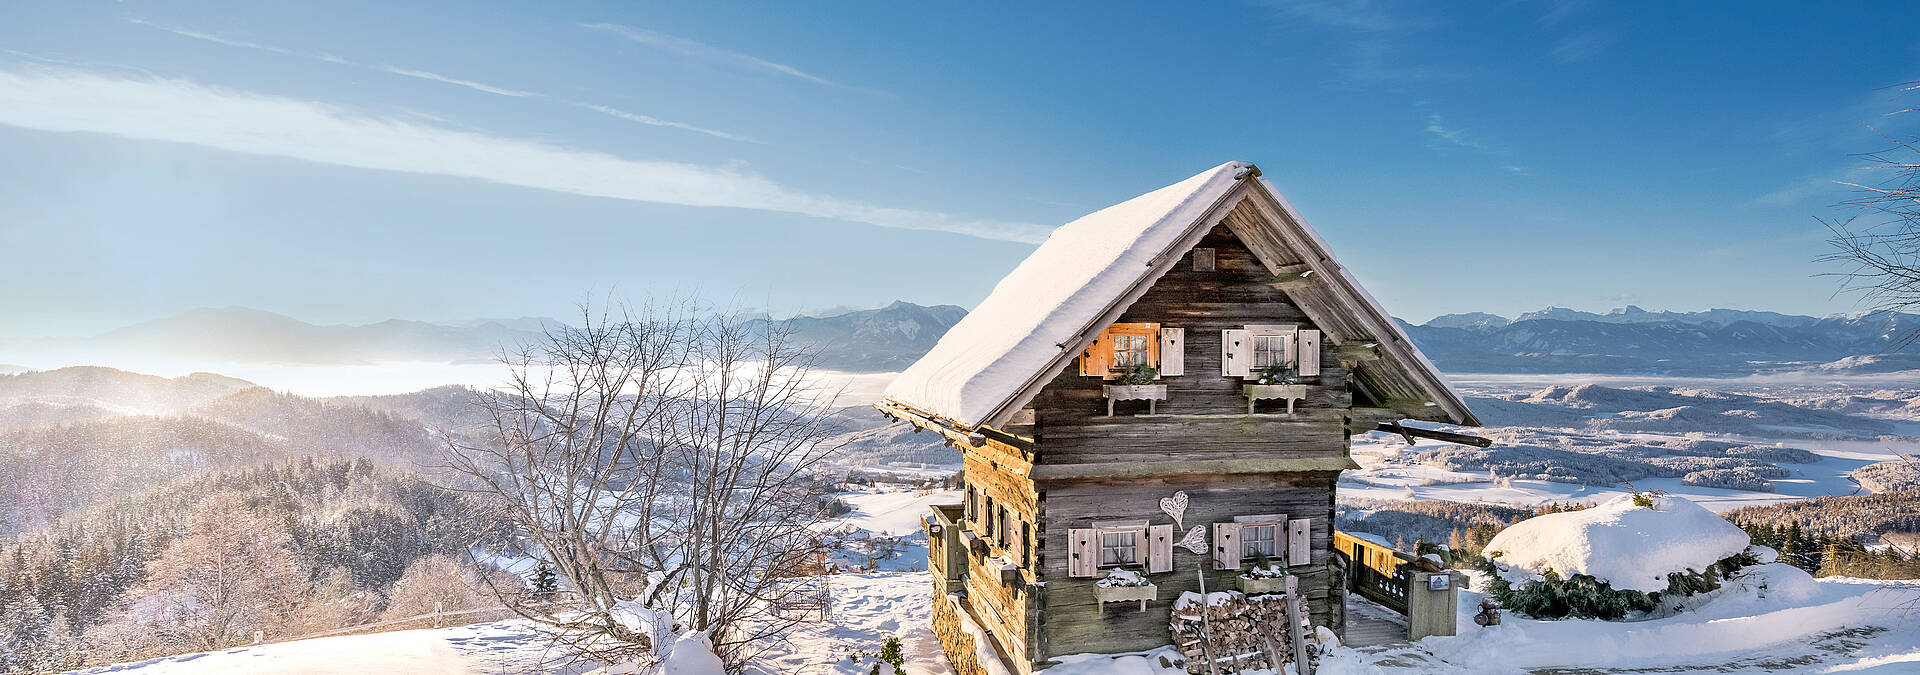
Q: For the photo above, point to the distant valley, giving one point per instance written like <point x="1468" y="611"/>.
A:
<point x="1627" y="341"/>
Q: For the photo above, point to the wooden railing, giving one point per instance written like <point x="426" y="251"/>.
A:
<point x="1379" y="573"/>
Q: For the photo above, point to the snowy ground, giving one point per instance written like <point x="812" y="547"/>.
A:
<point x="1768" y="619"/>
<point x="867" y="608"/>
<point x="498" y="647"/>
<point x="884" y="527"/>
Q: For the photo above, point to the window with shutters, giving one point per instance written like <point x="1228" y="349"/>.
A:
<point x="1119" y="548"/>
<point x="1130" y="351"/>
<point x="1256" y="539"/>
<point x="1263" y="535"/>
<point x="1120" y="347"/>
<point x="1269" y="351"/>
<point x="987" y="518"/>
<point x="1272" y="346"/>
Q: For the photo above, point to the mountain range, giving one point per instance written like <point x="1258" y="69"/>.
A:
<point x="1629" y="340"/>
<point x="1713" y="343"/>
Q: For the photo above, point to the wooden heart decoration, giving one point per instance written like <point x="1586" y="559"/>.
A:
<point x="1195" y="541"/>
<point x="1175" y="506"/>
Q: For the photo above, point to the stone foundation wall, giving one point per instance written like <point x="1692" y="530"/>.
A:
<point x="960" y="648"/>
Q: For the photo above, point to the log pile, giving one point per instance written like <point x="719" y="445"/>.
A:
<point x="1239" y="632"/>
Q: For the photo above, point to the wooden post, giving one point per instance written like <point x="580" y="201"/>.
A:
<point x="1206" y="628"/>
<point x="1301" y="664"/>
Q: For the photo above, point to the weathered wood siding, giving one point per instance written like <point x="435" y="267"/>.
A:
<point x="1072" y="620"/>
<point x="1203" y="419"/>
<point x="1004" y="609"/>
<point x="1070" y="412"/>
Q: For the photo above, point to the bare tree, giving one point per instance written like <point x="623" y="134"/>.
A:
<point x="231" y="574"/>
<point x="1880" y="243"/>
<point x="660" y="463"/>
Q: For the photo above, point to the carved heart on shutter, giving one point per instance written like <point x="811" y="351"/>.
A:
<point x="1175" y="506"/>
<point x="1196" y="540"/>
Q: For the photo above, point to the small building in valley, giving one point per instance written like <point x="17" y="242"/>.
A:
<point x="1197" y="339"/>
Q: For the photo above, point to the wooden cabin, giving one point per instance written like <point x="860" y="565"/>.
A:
<point x="1123" y="362"/>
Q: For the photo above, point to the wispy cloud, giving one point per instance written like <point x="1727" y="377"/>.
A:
<point x="476" y="86"/>
<point x="1456" y="137"/>
<point x="329" y="58"/>
<point x="702" y="50"/>
<point x="655" y="121"/>
<point x="1375" y="34"/>
<point x="231" y="42"/>
<point x="182" y="111"/>
<point x="436" y="77"/>
<point x="1582" y="46"/>
<point x="1449" y="137"/>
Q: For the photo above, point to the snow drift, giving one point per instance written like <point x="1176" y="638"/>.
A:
<point x="1628" y="546"/>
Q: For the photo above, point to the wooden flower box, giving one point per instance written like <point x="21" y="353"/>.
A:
<point x="1261" y="585"/>
<point x="1134" y="392"/>
<point x="1142" y="594"/>
<point x="1290" y="392"/>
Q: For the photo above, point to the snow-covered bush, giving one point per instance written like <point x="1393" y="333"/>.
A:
<point x="1613" y="559"/>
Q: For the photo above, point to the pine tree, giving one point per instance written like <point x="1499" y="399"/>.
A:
<point x="545" y="583"/>
<point x="1790" y="546"/>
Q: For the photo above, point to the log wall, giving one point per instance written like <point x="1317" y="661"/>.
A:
<point x="1074" y="622"/>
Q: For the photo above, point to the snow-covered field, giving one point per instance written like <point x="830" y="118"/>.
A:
<point x="867" y="609"/>
<point x="1844" y="424"/>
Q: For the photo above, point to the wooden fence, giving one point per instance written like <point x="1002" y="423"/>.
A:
<point x="1378" y="573"/>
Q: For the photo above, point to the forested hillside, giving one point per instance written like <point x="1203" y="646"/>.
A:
<point x="201" y="563"/>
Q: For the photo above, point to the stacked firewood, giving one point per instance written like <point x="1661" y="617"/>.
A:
<point x="1238" y="633"/>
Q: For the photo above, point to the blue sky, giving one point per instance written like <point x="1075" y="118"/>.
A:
<point x="351" y="162"/>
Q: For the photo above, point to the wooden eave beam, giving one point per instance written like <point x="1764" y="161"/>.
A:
<point x="1357" y="350"/>
<point x="1217" y="466"/>
<point x="954" y="432"/>
<point x="1411" y="433"/>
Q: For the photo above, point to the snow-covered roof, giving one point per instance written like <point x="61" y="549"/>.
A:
<point x="1624" y="544"/>
<point x="1043" y="313"/>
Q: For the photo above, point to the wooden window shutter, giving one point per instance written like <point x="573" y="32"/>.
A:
<point x="1160" y="548"/>
<point x="1026" y="544"/>
<point x="1226" y="546"/>
<point x="1152" y="333"/>
<point x="1095" y="361"/>
<point x="1309" y="353"/>
<point x="1236" y="352"/>
<point x="1014" y="550"/>
<point x="1083" y="559"/>
<point x="1300" y="541"/>
<point x="1173" y="351"/>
